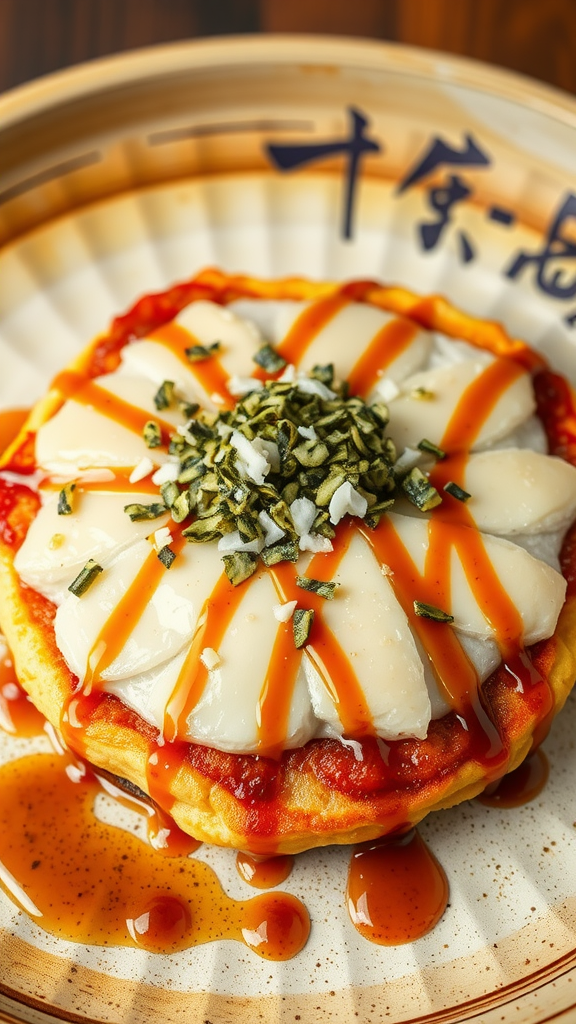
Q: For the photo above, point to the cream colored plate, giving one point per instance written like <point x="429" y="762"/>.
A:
<point x="127" y="175"/>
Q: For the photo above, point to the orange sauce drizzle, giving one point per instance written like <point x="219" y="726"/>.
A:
<point x="215" y="617"/>
<point x="209" y="373"/>
<point x="308" y="325"/>
<point x="323" y="648"/>
<point x="397" y="890"/>
<point x="74" y="386"/>
<point x="521" y="786"/>
<point x="127" y="613"/>
<point x="389" y="342"/>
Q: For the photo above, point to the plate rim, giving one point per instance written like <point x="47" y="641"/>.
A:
<point x="196" y="55"/>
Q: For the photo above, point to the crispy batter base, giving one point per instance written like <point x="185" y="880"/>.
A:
<point x="322" y="793"/>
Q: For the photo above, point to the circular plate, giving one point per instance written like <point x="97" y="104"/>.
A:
<point x="330" y="159"/>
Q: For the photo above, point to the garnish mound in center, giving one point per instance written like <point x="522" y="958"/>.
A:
<point x="274" y="475"/>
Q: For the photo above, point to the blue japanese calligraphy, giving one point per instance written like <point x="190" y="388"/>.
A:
<point x="444" y="197"/>
<point x="557" y="246"/>
<point x="288" y="157"/>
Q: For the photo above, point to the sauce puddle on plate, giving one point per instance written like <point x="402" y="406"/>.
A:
<point x="90" y="882"/>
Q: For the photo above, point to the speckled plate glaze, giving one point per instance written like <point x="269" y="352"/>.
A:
<point x="331" y="159"/>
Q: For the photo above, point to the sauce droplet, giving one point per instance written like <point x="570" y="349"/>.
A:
<point x="263" y="872"/>
<point x="276" y="926"/>
<point x="397" y="890"/>
<point x="521" y="785"/>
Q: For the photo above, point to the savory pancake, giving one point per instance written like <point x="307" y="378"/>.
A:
<point x="295" y="559"/>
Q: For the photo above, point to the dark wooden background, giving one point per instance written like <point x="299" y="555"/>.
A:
<point x="536" y="37"/>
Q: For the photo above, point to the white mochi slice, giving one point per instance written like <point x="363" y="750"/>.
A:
<point x="373" y="631"/>
<point x="57" y="547"/>
<point x="414" y="417"/>
<point x="343" y="339"/>
<point x="79" y="436"/>
<point x="156" y="363"/>
<point x="227" y="714"/>
<point x="167" y="622"/>
<point x="139" y="391"/>
<point x="520" y="491"/>
<point x="535" y="588"/>
<point x="239" y="339"/>
<point x="148" y="693"/>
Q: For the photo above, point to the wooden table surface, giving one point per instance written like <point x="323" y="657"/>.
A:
<point x="535" y="37"/>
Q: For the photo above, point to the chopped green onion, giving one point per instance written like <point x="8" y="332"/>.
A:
<point x="239" y="566"/>
<point x="301" y="625"/>
<point x="138" y="512"/>
<point x="166" y="556"/>
<point x="269" y="359"/>
<point x="165" y="395"/>
<point x="325" y="374"/>
<point x="429" y="611"/>
<point x="419" y="490"/>
<point x="432" y="449"/>
<point x="152" y="434"/>
<point x="456" y="491"/>
<point x="283" y="551"/>
<point x="197" y="353"/>
<point x="326" y="590"/>
<point x="65" y="500"/>
<point x="85" y="578"/>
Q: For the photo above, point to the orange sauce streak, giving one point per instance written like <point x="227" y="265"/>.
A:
<point x="390" y="341"/>
<point x="11" y="420"/>
<point x="214" y="620"/>
<point x="308" y="325"/>
<point x="452" y="668"/>
<point x="276" y="695"/>
<point x="18" y="716"/>
<point x="323" y="648"/>
<point x="72" y="385"/>
<point x="263" y="872"/>
<point x="98" y="884"/>
<point x="127" y="613"/>
<point x="521" y="786"/>
<point x="209" y="373"/>
<point x="397" y="890"/>
<point x="477" y="402"/>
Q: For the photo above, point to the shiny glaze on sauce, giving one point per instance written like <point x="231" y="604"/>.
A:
<point x="263" y="872"/>
<point x="89" y="882"/>
<point x="397" y="891"/>
<point x="521" y="786"/>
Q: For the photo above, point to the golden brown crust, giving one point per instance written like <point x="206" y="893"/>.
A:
<point x="320" y="794"/>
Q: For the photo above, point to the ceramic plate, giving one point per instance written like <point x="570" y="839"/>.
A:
<point x="329" y="159"/>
